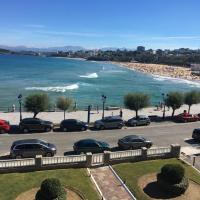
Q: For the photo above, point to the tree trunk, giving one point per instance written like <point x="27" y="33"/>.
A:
<point x="173" y="112"/>
<point x="64" y="114"/>
<point x="136" y="112"/>
<point x="189" y="109"/>
<point x="35" y="114"/>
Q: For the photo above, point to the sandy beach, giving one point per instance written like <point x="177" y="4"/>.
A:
<point x="161" y="70"/>
<point x="57" y="117"/>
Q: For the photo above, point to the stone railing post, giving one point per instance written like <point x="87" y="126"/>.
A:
<point x="38" y="161"/>
<point x="107" y="157"/>
<point x="88" y="159"/>
<point x="144" y="153"/>
<point x="175" y="150"/>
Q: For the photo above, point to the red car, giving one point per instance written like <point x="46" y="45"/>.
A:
<point x="4" y="126"/>
<point x="185" y="117"/>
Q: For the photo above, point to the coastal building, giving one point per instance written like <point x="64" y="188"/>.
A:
<point x="195" y="68"/>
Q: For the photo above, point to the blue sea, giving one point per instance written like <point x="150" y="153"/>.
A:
<point x="84" y="81"/>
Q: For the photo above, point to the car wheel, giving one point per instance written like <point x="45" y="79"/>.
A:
<point x="119" y="126"/>
<point x="25" y="130"/>
<point x="83" y="129"/>
<point x="64" y="129"/>
<point x="49" y="154"/>
<point x="148" y="146"/>
<point x="2" y="131"/>
<point x="18" y="157"/>
<point x="102" y="128"/>
<point x="133" y="124"/>
<point x="47" y="129"/>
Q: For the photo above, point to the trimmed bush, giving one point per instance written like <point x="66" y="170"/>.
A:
<point x="172" y="179"/>
<point x="172" y="173"/>
<point x="51" y="189"/>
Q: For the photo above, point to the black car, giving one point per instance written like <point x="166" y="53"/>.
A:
<point x="35" y="124"/>
<point x="140" y="120"/>
<point x="109" y="122"/>
<point x="31" y="147"/>
<point x="133" y="142"/>
<point x="90" y="145"/>
<point x="73" y="125"/>
<point x="196" y="134"/>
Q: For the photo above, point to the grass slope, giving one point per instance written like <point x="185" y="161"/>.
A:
<point x="11" y="185"/>
<point x="131" y="172"/>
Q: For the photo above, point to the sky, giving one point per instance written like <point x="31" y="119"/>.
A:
<point x="165" y="24"/>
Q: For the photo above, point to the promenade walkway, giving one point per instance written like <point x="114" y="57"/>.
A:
<point x="109" y="185"/>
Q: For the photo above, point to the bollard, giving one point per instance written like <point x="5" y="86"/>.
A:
<point x="194" y="159"/>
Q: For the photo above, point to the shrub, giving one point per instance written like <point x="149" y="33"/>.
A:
<point x="51" y="189"/>
<point x="172" y="179"/>
<point x="172" y="173"/>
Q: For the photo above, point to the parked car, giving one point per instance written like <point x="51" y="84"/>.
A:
<point x="31" y="147"/>
<point x="73" y="125"/>
<point x="4" y="126"/>
<point x="196" y="134"/>
<point x="139" y="121"/>
<point x="109" y="122"/>
<point x="90" y="145"/>
<point x="133" y="142"/>
<point x="35" y="124"/>
<point x="187" y="118"/>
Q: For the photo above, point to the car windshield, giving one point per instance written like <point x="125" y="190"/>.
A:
<point x="44" y="143"/>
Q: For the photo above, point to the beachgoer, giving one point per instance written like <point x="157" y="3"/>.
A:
<point x="120" y="112"/>
<point x="13" y="108"/>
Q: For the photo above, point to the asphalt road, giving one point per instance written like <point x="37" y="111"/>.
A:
<point x="161" y="134"/>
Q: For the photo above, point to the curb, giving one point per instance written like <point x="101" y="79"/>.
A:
<point x="189" y="164"/>
<point x="122" y="183"/>
<point x="93" y="180"/>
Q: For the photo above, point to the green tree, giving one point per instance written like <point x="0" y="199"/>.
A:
<point x="136" y="101"/>
<point x="174" y="100"/>
<point x="64" y="103"/>
<point x="37" y="103"/>
<point x="192" y="97"/>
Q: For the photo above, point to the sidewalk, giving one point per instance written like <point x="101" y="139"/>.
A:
<point x="109" y="184"/>
<point x="57" y="117"/>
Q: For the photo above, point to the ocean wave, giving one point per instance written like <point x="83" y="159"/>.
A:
<point x="177" y="80"/>
<point x="92" y="75"/>
<point x="113" y="71"/>
<point x="55" y="89"/>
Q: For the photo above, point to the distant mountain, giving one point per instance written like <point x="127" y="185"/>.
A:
<point x="49" y="49"/>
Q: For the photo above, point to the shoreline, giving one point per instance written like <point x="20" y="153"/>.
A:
<point x="160" y="70"/>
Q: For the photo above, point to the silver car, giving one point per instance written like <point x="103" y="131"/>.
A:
<point x="29" y="148"/>
<point x="109" y="123"/>
<point x="134" y="142"/>
<point x="141" y="120"/>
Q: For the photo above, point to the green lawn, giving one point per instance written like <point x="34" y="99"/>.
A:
<point x="11" y="185"/>
<point x="131" y="172"/>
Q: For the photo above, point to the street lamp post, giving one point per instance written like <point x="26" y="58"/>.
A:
<point x="103" y="98"/>
<point x="20" y="106"/>
<point x="164" y="102"/>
